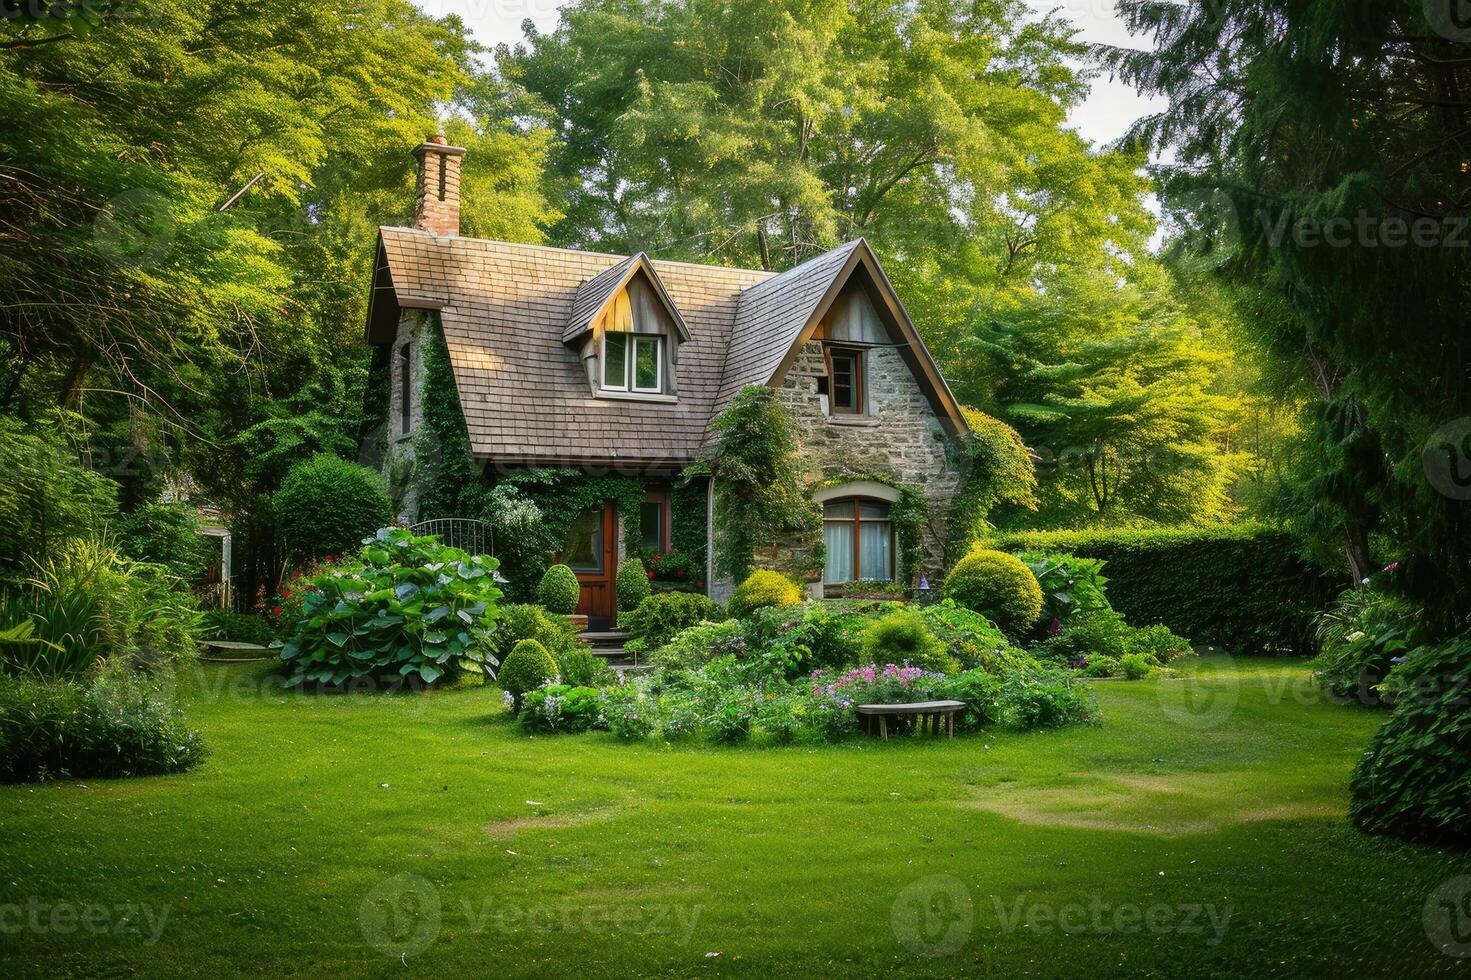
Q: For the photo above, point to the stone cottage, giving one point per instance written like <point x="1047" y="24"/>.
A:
<point x="618" y="364"/>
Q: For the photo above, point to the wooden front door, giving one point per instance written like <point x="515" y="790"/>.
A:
<point x="591" y="550"/>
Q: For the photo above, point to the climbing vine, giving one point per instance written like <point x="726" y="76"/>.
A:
<point x="760" y="496"/>
<point x="995" y="468"/>
<point x="442" y="445"/>
<point x="687" y="531"/>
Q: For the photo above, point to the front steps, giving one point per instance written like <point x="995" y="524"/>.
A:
<point x="608" y="644"/>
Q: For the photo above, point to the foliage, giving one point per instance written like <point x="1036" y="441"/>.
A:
<point x="786" y="642"/>
<point x="972" y="639"/>
<point x="414" y="610"/>
<point x="1245" y="588"/>
<point x="527" y="667"/>
<point x="675" y="570"/>
<point x="167" y="535"/>
<point x="688" y="530"/>
<point x="980" y="689"/>
<point x="560" y="708"/>
<point x="117" y="723"/>
<point x="442" y="466"/>
<point x="1157" y="643"/>
<point x="1361" y="638"/>
<point x="327" y="505"/>
<point x="995" y="468"/>
<point x="559" y="590"/>
<point x="226" y="624"/>
<point x="632" y="584"/>
<point x="630" y="713"/>
<point x="763" y="588"/>
<point x="903" y="637"/>
<point x="88" y="604"/>
<point x="872" y="684"/>
<point x="694" y="646"/>
<point x="1071" y="586"/>
<point x="1413" y="781"/>
<point x="1136" y="666"/>
<point x="659" y="617"/>
<point x="999" y="586"/>
<point x="46" y="496"/>
<point x="1043" y="698"/>
<point x="519" y="621"/>
<point x="760" y="498"/>
<point x="580" y="667"/>
<point x="1103" y="634"/>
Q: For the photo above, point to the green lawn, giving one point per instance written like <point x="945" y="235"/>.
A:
<point x="334" y="835"/>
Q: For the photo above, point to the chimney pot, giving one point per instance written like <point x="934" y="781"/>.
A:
<point x="437" y="204"/>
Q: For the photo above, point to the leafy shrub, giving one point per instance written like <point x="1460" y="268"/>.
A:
<point x="1102" y="667"/>
<point x="1243" y="588"/>
<point x="659" y="617"/>
<point x="730" y="717"/>
<point x="559" y="590"/>
<point x="791" y="641"/>
<point x="631" y="584"/>
<point x="681" y="714"/>
<point x="780" y="718"/>
<point x="120" y="723"/>
<point x="46" y="496"/>
<point x="1136" y="666"/>
<point x="831" y="719"/>
<point x="527" y="667"/>
<point x="1045" y="698"/>
<point x="631" y="714"/>
<point x="1103" y="634"/>
<point x="972" y="639"/>
<point x="999" y="586"/>
<point x="519" y="621"/>
<point x="890" y="684"/>
<point x="761" y="589"/>
<point x="225" y="624"/>
<point x="560" y="708"/>
<point x="89" y="603"/>
<point x="1361" y="638"/>
<point x="1413" y="781"/>
<point x="981" y="692"/>
<point x="902" y="637"/>
<point x="1071" y="586"/>
<point x="167" y="535"/>
<point x="579" y="667"/>
<point x="413" y="607"/>
<point x="327" y="505"/>
<point x="1158" y="643"/>
<point x="697" y="645"/>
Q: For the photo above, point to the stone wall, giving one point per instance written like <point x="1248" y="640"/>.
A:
<point x="899" y="441"/>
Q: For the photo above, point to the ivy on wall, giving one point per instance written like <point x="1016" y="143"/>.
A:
<point x="687" y="518"/>
<point x="442" y="445"/>
<point x="760" y="496"/>
<point x="995" y="468"/>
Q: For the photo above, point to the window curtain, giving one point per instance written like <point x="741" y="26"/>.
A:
<point x="838" y="538"/>
<point x="875" y="551"/>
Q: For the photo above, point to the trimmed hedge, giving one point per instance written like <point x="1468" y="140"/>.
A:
<point x="1245" y="589"/>
<point x="328" y="506"/>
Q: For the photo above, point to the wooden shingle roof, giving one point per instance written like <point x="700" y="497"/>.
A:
<point x="507" y="308"/>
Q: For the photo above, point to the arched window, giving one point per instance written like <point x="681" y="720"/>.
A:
<point x="859" y="538"/>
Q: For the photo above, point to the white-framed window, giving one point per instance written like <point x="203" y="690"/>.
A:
<point x="633" y="362"/>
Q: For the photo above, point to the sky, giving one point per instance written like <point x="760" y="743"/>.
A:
<point x="1104" y="117"/>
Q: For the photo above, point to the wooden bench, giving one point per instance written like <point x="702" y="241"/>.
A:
<point x="937" y="715"/>
<point x="233" y="652"/>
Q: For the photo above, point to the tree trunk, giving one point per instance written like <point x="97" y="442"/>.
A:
<point x="70" y="397"/>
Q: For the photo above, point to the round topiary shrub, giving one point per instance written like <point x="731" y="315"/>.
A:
<point x="999" y="586"/>
<point x="632" y="584"/>
<point x="901" y="637"/>
<point x="527" y="667"/>
<point x="327" y="505"/>
<point x="559" y="590"/>
<point x="763" y="588"/>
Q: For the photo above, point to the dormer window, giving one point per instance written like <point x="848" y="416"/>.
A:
<point x="633" y="363"/>
<point x="629" y="332"/>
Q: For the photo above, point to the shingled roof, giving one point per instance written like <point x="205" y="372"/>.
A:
<point x="506" y="309"/>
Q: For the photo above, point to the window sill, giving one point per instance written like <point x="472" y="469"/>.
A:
<point x="859" y="421"/>
<point x="636" y="396"/>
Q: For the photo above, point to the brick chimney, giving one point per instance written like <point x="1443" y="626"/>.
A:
<point x="437" y="207"/>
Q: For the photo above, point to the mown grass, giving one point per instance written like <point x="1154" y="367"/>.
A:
<point x="1224" y="794"/>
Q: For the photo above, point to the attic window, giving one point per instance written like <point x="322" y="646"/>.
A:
<point x="634" y="335"/>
